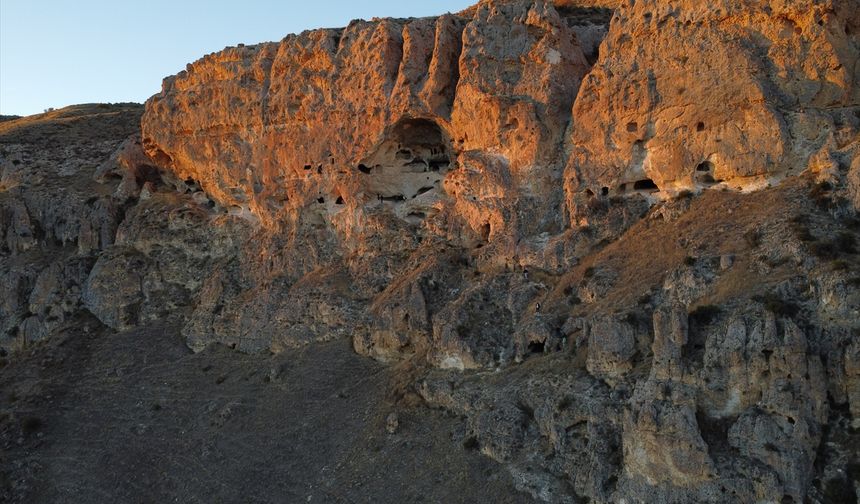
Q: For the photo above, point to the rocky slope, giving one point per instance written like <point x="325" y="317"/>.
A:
<point x="617" y="241"/>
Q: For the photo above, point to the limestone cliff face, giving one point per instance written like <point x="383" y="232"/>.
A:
<point x="347" y="117"/>
<point x="689" y="95"/>
<point x="682" y="96"/>
<point x="491" y="129"/>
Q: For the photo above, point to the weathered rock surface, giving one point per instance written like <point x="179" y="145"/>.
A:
<point x="506" y="207"/>
<point x="741" y="103"/>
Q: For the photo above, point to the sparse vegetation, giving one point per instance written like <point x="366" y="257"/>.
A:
<point x="773" y="262"/>
<point x="820" y="195"/>
<point x="846" y="243"/>
<point x="801" y="231"/>
<point x="823" y="250"/>
<point x="753" y="238"/>
<point x="840" y="265"/>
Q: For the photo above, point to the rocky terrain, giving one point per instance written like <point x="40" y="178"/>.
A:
<point x="535" y="251"/>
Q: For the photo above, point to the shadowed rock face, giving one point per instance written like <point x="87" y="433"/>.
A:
<point x="617" y="242"/>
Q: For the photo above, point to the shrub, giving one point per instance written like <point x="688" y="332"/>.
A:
<point x="820" y="194"/>
<point x="753" y="238"/>
<point x="840" y="265"/>
<point x="802" y="232"/>
<point x="846" y="243"/>
<point x="825" y="250"/>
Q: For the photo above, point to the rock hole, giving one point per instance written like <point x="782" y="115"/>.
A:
<point x="536" y="347"/>
<point x="321" y="200"/>
<point x="605" y="191"/>
<point x="705" y="166"/>
<point x="439" y="164"/>
<point x="308" y="167"/>
<point x="700" y="127"/>
<point x="411" y="160"/>
<point x="645" y="185"/>
<point x="486" y="230"/>
<point x="423" y="190"/>
<point x="471" y="443"/>
<point x="339" y="200"/>
<point x="632" y="127"/>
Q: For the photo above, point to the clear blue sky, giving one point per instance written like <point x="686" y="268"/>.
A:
<point x="55" y="53"/>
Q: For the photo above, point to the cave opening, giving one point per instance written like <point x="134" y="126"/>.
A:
<point x="705" y="166"/>
<point x="645" y="185"/>
<point x="408" y="166"/>
<point x="705" y="174"/>
<point x="536" y="347"/>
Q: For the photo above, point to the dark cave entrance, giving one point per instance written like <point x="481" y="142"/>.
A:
<point x="407" y="168"/>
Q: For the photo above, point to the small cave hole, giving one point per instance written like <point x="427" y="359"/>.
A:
<point x="645" y="185"/>
<point x="321" y="200"/>
<point x="308" y="167"/>
<point x="632" y="127"/>
<point x="705" y="166"/>
<point x="605" y="191"/>
<point x="486" y="230"/>
<point x="471" y="443"/>
<point x="364" y="169"/>
<point x="439" y="164"/>
<point x="339" y="200"/>
<point x="700" y="126"/>
<point x="423" y="190"/>
<point x="536" y="347"/>
<point x="589" y="192"/>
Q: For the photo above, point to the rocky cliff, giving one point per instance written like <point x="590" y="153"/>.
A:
<point x="617" y="240"/>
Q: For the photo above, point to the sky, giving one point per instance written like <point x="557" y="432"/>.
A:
<point x="55" y="53"/>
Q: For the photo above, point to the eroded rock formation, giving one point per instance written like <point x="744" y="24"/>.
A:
<point x="641" y="215"/>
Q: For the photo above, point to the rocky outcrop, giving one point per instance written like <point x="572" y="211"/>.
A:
<point x="506" y="205"/>
<point x="349" y="114"/>
<point x="739" y="104"/>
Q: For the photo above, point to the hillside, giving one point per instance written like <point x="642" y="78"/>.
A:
<point x="529" y="252"/>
